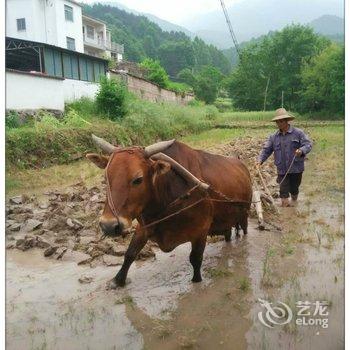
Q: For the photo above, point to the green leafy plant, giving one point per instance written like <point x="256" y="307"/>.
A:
<point x="111" y="98"/>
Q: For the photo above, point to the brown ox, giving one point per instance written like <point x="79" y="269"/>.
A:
<point x="149" y="186"/>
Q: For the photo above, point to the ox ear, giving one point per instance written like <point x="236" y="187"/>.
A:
<point x="161" y="167"/>
<point x="98" y="160"/>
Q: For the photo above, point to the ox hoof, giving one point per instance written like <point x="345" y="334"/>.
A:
<point x="196" y="279"/>
<point x="228" y="237"/>
<point x="114" y="284"/>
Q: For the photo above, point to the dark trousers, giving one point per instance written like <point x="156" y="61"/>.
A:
<point x="290" y="184"/>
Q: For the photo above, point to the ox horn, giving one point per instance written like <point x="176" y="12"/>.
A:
<point x="103" y="144"/>
<point x="158" y="147"/>
<point x="180" y="170"/>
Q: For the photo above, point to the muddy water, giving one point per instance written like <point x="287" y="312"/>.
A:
<point x="47" y="307"/>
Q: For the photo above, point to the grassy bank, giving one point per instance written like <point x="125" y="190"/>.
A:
<point x="46" y="141"/>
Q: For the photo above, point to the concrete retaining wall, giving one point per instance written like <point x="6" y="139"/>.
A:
<point x="149" y="91"/>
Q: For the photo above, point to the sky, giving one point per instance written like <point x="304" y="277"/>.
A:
<point x="175" y="11"/>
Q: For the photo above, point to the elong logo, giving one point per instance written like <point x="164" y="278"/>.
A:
<point x="281" y="314"/>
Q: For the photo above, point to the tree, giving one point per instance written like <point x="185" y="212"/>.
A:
<point x="323" y="80"/>
<point x="274" y="65"/>
<point x="207" y="83"/>
<point x="155" y="72"/>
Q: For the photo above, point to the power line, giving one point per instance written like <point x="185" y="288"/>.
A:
<point x="233" y="36"/>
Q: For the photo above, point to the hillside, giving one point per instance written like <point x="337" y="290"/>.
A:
<point x="163" y="24"/>
<point x="143" y="38"/>
<point x="252" y="18"/>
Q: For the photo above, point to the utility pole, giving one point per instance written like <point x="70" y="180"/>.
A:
<point x="233" y="36"/>
<point x="267" y="87"/>
<point x="282" y="97"/>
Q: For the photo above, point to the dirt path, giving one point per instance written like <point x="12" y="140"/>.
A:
<point x="48" y="308"/>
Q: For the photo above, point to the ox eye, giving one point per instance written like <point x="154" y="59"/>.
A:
<point x="137" y="181"/>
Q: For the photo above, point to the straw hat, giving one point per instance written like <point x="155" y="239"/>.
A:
<point x="281" y="113"/>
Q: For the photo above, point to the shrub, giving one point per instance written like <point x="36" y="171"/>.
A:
<point x="12" y="120"/>
<point x="111" y="98"/>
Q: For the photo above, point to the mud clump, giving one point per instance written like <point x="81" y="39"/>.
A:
<point x="64" y="225"/>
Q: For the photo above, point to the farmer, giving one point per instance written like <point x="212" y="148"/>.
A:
<point x="289" y="145"/>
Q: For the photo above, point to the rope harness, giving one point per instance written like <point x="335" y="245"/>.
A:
<point x="225" y="199"/>
<point x="290" y="166"/>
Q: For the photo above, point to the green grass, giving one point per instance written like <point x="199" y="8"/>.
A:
<point x="48" y="141"/>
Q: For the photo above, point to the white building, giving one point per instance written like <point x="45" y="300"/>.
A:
<point x="60" y="23"/>
<point x="97" y="40"/>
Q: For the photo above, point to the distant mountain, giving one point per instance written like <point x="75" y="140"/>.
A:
<point x="328" y="25"/>
<point x="252" y="18"/>
<point x="163" y="24"/>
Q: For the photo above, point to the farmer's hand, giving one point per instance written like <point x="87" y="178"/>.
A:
<point x="298" y="152"/>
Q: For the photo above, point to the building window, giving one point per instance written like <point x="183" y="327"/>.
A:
<point x="68" y="13"/>
<point x="70" y="43"/>
<point x="21" y="24"/>
<point x="90" y="32"/>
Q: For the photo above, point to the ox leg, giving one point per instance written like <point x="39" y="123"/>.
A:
<point x="196" y="258"/>
<point x="244" y="225"/>
<point x="228" y="235"/>
<point x="138" y="241"/>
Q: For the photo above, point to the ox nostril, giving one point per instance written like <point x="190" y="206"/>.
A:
<point x="110" y="228"/>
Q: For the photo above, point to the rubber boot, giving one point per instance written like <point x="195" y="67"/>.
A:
<point x="294" y="200"/>
<point x="285" y="202"/>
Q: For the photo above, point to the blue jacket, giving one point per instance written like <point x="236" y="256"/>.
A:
<point x="283" y="148"/>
